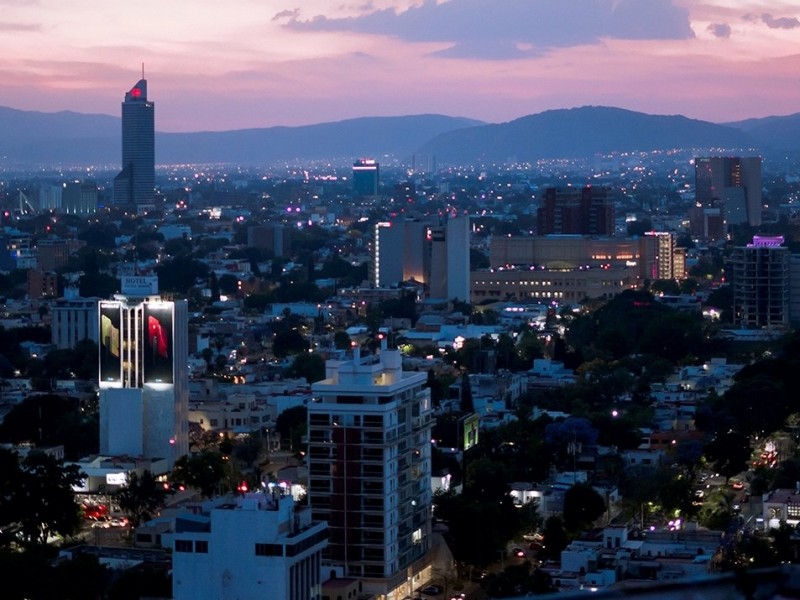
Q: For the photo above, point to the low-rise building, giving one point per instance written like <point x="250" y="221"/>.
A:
<point x="257" y="545"/>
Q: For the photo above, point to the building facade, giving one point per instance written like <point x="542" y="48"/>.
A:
<point x="369" y="428"/>
<point x="79" y="198"/>
<point x="432" y="251"/>
<point x="585" y="211"/>
<point x="74" y="319"/>
<point x="732" y="184"/>
<point x="260" y="545"/>
<point x="135" y="183"/>
<point x="366" y="177"/>
<point x="574" y="251"/>
<point x="761" y="284"/>
<point x="144" y="375"/>
<point x="568" y="285"/>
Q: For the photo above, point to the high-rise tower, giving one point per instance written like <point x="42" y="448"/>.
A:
<point x="369" y="430"/>
<point x="144" y="373"/>
<point x="135" y="182"/>
<point x="732" y="184"/>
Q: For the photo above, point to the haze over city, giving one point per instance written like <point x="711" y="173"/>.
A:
<point x="260" y="64"/>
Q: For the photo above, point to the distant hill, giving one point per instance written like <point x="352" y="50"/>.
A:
<point x="72" y="139"/>
<point x="779" y="133"/>
<point x="352" y="138"/>
<point x="577" y="132"/>
<point x="68" y="138"/>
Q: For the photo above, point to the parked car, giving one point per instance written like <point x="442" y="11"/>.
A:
<point x="431" y="590"/>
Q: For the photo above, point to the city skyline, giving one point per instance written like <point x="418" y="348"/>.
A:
<point x="262" y="64"/>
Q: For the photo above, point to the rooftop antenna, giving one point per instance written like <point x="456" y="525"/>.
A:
<point x="142" y="70"/>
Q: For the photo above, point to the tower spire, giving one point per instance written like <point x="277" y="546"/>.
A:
<point x="142" y="70"/>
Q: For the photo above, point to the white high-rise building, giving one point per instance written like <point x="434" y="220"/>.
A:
<point x="144" y="373"/>
<point x="449" y="264"/>
<point x="259" y="546"/>
<point x="369" y="428"/>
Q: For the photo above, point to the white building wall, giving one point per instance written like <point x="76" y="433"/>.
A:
<point x="226" y="565"/>
<point x="121" y="421"/>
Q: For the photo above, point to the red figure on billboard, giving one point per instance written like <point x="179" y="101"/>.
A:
<point x="156" y="337"/>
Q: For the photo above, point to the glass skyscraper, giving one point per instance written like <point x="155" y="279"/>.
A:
<point x="135" y="182"/>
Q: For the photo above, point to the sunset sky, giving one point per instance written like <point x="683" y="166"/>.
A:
<point x="258" y="63"/>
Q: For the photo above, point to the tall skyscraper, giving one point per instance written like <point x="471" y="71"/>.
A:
<point x="144" y="373"/>
<point x="732" y="184"/>
<point x="135" y="182"/>
<point x="369" y="429"/>
<point x="582" y="211"/>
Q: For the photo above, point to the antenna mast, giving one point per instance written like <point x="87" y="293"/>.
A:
<point x="142" y="70"/>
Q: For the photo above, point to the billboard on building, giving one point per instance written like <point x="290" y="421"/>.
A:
<point x="136" y="285"/>
<point x="158" y="351"/>
<point x="471" y="427"/>
<point x="110" y="342"/>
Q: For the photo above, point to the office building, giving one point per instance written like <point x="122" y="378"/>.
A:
<point x="433" y="251"/>
<point x="761" y="284"/>
<point x="79" y="198"/>
<point x="42" y="284"/>
<point x="366" y="175"/>
<point x="574" y="251"/>
<point x="135" y="183"/>
<point x="670" y="261"/>
<point x="273" y="237"/>
<point x="74" y="319"/>
<point x="564" y="285"/>
<point x="259" y="545"/>
<point x="144" y="373"/>
<point x="369" y="431"/>
<point x="449" y="262"/>
<point x="388" y="251"/>
<point x="49" y="197"/>
<point x="732" y="184"/>
<point x="585" y="211"/>
<point x="53" y="254"/>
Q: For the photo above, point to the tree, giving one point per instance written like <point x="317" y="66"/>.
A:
<point x="677" y="496"/>
<point x="477" y="529"/>
<point x="288" y="341"/>
<point x="688" y="454"/>
<point x="730" y="451"/>
<point x="50" y="419"/>
<point x="141" y="498"/>
<point x="341" y="340"/>
<point x="43" y="503"/>
<point x="292" y="425"/>
<point x="582" y="507"/>
<point x="204" y="471"/>
<point x="555" y="537"/>
<point x="308" y="365"/>
<point x="248" y="450"/>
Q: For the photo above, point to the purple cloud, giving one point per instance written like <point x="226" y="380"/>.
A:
<point x="475" y="30"/>
<point x="720" y="30"/>
<point x="287" y="14"/>
<point x="780" y="22"/>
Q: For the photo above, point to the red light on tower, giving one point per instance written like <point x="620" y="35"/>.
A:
<point x="136" y="92"/>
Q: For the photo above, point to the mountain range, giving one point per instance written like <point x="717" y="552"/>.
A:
<point x="73" y="139"/>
